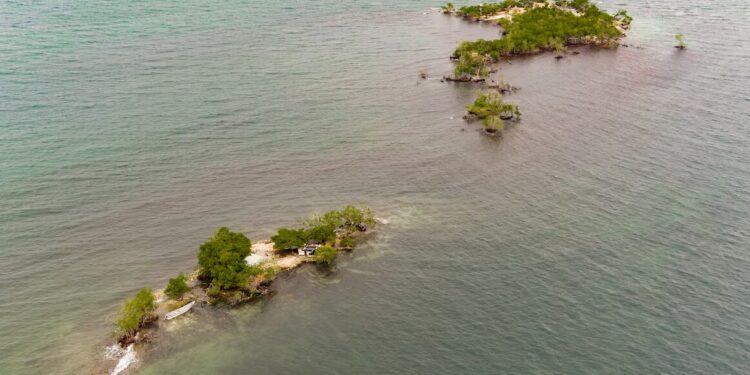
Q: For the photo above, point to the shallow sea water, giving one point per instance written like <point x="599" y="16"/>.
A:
<point x="607" y="233"/>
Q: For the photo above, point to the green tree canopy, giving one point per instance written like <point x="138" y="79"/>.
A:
<point x="134" y="310"/>
<point x="222" y="259"/>
<point x="177" y="287"/>
<point x="289" y="239"/>
<point x="321" y="233"/>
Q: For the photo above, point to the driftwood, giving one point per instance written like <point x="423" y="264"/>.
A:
<point x="504" y="88"/>
<point x="463" y="79"/>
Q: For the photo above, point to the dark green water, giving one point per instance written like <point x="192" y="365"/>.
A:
<point x="608" y="233"/>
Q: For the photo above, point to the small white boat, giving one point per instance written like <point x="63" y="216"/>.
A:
<point x="175" y="313"/>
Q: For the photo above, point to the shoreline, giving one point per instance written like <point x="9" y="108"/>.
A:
<point x="264" y="257"/>
<point x="121" y="357"/>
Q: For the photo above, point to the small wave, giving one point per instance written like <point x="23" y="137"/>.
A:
<point x="113" y="352"/>
<point x="125" y="361"/>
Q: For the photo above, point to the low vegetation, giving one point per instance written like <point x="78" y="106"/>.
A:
<point x="177" y="287"/>
<point x="136" y="311"/>
<point x="490" y="103"/>
<point x="325" y="254"/>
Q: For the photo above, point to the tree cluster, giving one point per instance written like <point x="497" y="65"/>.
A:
<point x="493" y="111"/>
<point x="323" y="228"/>
<point x="177" y="287"/>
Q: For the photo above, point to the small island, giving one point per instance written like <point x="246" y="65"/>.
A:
<point x="531" y="27"/>
<point x="528" y="27"/>
<point x="493" y="111"/>
<point x="232" y="270"/>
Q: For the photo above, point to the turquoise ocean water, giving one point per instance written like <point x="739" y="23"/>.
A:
<point x="608" y="233"/>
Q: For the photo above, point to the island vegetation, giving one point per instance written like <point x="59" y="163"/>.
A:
<point x="532" y="27"/>
<point x="222" y="259"/>
<point x="490" y="103"/>
<point x="325" y="254"/>
<point x="335" y="227"/>
<point x="470" y="67"/>
<point x="490" y="107"/>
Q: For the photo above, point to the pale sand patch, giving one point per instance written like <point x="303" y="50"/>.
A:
<point x="291" y="261"/>
<point x="264" y="248"/>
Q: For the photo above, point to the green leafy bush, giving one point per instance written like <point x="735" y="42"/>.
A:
<point x="490" y="103"/>
<point x="135" y="310"/>
<point x="325" y="254"/>
<point x="351" y="216"/>
<point x="289" y="239"/>
<point x="347" y="242"/>
<point x="176" y="287"/>
<point x="623" y="16"/>
<point x="348" y="216"/>
<point x="222" y="259"/>
<point x="471" y="64"/>
<point x="321" y="233"/>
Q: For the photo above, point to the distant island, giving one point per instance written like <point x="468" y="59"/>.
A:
<point x="232" y="270"/>
<point x="528" y="27"/>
